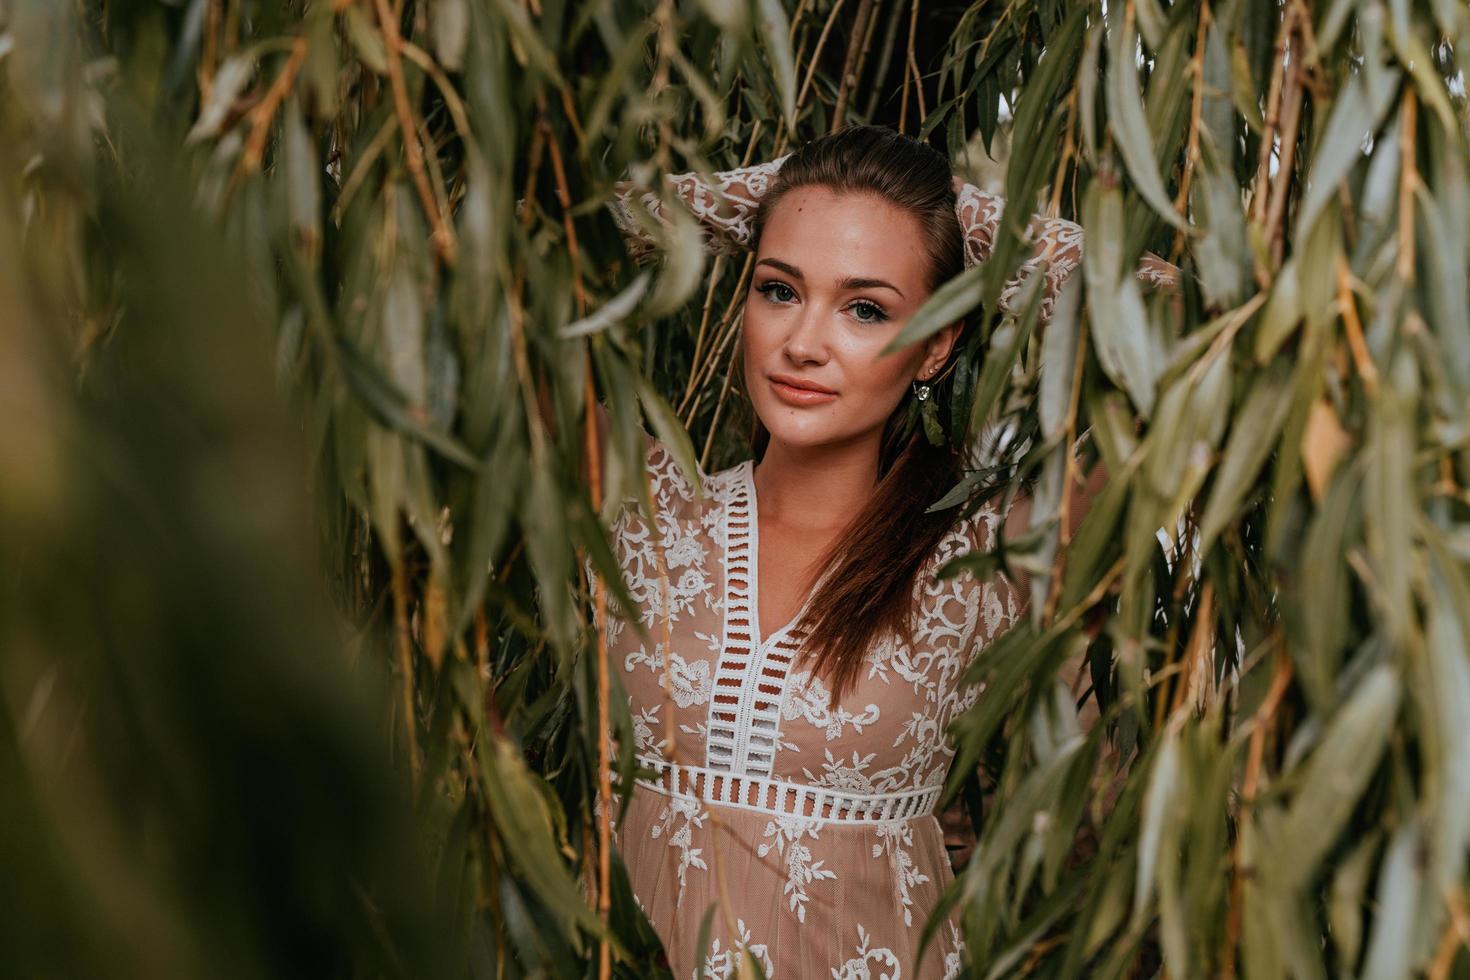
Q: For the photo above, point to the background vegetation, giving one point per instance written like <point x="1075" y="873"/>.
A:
<point x="251" y="248"/>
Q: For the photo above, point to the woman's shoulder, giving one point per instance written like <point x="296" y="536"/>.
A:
<point x="973" y="531"/>
<point x="973" y="577"/>
<point x="721" y="484"/>
<point x="688" y="487"/>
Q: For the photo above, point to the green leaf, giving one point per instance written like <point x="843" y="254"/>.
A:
<point x="1345" y="904"/>
<point x="530" y="49"/>
<point x="701" y="943"/>
<point x="620" y="307"/>
<point x="1334" y="777"/>
<point x="1392" y="947"/>
<point x="390" y="406"/>
<point x="1447" y="677"/>
<point x="544" y="514"/>
<point x="1252" y="438"/>
<point x="1243" y="91"/>
<point x="1389" y="501"/>
<point x="1281" y="316"/>
<point x="365" y="38"/>
<point x="1126" y="117"/>
<point x="1152" y="22"/>
<point x="774" y="30"/>
<point x="684" y="261"/>
<point x="1095" y="545"/>
<point x="731" y="16"/>
<point x="1352" y="118"/>
<point x="1058" y="355"/>
<point x="229" y="80"/>
<point x="1122" y="334"/>
<point x="489" y="520"/>
<point x="523" y="812"/>
<point x="450" y="20"/>
<point x="1158" y="809"/>
<point x="303" y="182"/>
<point x="1325" y="611"/>
<point x="1006" y="345"/>
<point x="950" y="302"/>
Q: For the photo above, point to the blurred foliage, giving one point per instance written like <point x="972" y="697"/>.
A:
<point x="1271" y="595"/>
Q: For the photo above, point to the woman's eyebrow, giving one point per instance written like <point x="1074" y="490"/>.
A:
<point x="785" y="267"/>
<point x="862" y="282"/>
<point x="851" y="282"/>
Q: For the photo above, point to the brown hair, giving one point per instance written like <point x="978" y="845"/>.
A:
<point x="871" y="571"/>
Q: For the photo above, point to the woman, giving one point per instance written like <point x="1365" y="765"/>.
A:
<point x="804" y="662"/>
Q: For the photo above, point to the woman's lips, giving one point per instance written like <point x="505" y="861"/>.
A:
<point x="792" y="395"/>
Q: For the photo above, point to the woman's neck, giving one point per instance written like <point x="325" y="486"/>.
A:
<point x="816" y="489"/>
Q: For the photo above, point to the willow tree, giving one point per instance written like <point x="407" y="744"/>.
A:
<point x="406" y="197"/>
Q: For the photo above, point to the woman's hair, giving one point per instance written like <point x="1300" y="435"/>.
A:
<point x="870" y="583"/>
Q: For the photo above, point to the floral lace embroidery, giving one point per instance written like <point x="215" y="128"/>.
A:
<point x="857" y="967"/>
<point x="953" y="960"/>
<point x="895" y="838"/>
<point x="691" y="683"/>
<point x="644" y="725"/>
<point x="839" y="775"/>
<point x="683" y="552"/>
<point x="720" y="964"/>
<point x="807" y="698"/>
<point x="689" y="817"/>
<point x="725" y="207"/>
<point x="801" y="870"/>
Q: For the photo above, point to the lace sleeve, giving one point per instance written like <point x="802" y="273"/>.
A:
<point x="725" y="207"/>
<point x="1059" y="248"/>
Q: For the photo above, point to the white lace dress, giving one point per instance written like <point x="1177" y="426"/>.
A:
<point x="808" y="825"/>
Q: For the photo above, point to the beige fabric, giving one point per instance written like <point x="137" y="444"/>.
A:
<point x="823" y="886"/>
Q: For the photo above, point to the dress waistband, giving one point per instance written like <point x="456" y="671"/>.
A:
<point x="781" y="797"/>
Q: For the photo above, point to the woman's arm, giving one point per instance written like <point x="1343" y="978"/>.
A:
<point x="1059" y="248"/>
<point x="725" y="207"/>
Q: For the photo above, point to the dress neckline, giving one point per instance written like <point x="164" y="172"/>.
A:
<point x="744" y="722"/>
<point x="752" y="543"/>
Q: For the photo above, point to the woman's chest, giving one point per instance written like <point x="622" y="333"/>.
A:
<point x="788" y="560"/>
<point x="708" y="687"/>
<point x="698" y="695"/>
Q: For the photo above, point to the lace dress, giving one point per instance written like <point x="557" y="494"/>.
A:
<point x="808" y="825"/>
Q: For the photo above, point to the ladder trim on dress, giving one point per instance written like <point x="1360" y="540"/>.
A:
<point x="743" y="725"/>
<point x="782" y="797"/>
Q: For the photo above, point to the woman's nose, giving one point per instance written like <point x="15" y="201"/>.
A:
<point x="807" y="341"/>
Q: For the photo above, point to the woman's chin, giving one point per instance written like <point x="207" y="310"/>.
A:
<point x="808" y="433"/>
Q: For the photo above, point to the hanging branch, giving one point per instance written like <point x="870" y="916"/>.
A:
<point x="854" y="44"/>
<point x="413" y="152"/>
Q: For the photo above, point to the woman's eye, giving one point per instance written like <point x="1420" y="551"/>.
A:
<point x="778" y="291"/>
<point x="869" y="312"/>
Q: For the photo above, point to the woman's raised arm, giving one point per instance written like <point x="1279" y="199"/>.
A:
<point x="725" y="206"/>
<point x="1059" y="248"/>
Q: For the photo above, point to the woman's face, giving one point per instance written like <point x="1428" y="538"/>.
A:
<point x="836" y="278"/>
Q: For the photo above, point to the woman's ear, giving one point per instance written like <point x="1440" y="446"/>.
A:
<point x="936" y="351"/>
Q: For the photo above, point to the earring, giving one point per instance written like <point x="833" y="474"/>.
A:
<point x="921" y="391"/>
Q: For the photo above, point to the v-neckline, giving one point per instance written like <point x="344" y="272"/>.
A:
<point x="761" y="639"/>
